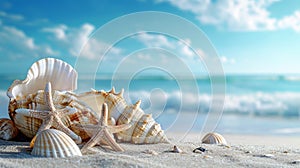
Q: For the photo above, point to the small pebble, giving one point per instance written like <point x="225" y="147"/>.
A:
<point x="199" y="150"/>
<point x="207" y="157"/>
<point x="295" y="162"/>
<point x="175" y="150"/>
<point x="265" y="155"/>
<point x="151" y="152"/>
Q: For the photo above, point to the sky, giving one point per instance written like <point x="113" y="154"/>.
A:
<point x="249" y="37"/>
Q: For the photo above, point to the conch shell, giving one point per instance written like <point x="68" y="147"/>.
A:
<point x="143" y="130"/>
<point x="54" y="143"/>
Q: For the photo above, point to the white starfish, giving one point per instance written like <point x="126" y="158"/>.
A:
<point x="51" y="117"/>
<point x="102" y="133"/>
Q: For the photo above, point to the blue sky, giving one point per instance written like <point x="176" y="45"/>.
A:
<point x="252" y="37"/>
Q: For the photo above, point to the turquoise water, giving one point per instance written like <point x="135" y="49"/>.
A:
<point x="253" y="104"/>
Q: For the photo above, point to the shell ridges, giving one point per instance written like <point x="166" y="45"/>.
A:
<point x="214" y="138"/>
<point x="8" y="130"/>
<point x="61" y="74"/>
<point x="54" y="143"/>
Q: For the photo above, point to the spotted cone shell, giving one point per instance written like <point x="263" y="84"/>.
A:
<point x="54" y="143"/>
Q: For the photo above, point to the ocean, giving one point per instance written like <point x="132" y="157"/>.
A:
<point x="254" y="104"/>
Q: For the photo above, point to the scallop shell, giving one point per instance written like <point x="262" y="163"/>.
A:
<point x="29" y="94"/>
<point x="214" y="138"/>
<point x="8" y="130"/>
<point x="144" y="128"/>
<point x="54" y="143"/>
<point x="60" y="74"/>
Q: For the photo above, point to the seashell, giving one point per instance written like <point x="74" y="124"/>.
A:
<point x="54" y="143"/>
<point x="8" y="130"/>
<point x="144" y="129"/>
<point x="80" y="108"/>
<point x="76" y="112"/>
<point x="29" y="94"/>
<point x="176" y="149"/>
<point x="60" y="74"/>
<point x="214" y="138"/>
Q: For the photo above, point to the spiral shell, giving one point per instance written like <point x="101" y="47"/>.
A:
<point x="8" y="130"/>
<point x="144" y="129"/>
<point x="214" y="138"/>
<point x="54" y="143"/>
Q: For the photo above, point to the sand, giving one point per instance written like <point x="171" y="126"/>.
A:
<point x="242" y="151"/>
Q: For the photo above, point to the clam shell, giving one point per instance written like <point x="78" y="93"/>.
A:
<point x="8" y="130"/>
<point x="54" y="143"/>
<point x="214" y="138"/>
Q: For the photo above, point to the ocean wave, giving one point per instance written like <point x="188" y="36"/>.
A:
<point x="254" y="104"/>
<point x="284" y="104"/>
<point x="3" y="104"/>
<point x="287" y="131"/>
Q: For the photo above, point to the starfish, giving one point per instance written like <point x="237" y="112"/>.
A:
<point x="102" y="133"/>
<point x="51" y="117"/>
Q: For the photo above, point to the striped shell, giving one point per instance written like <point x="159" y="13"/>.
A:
<point x="80" y="108"/>
<point x="54" y="143"/>
<point x="214" y="138"/>
<point x="8" y="130"/>
<point x="29" y="94"/>
<point x="144" y="129"/>
<point x="77" y="111"/>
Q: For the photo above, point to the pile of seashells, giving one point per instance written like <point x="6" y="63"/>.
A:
<point x="45" y="108"/>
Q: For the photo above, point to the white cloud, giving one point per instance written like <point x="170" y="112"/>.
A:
<point x="14" y="17"/>
<point x="154" y="40"/>
<point x="226" y="60"/>
<point x="161" y="41"/>
<point x="95" y="49"/>
<point x="292" y="21"/>
<point x="16" y="44"/>
<point x="240" y="15"/>
<point x="184" y="47"/>
<point x="74" y="39"/>
<point x="58" y="31"/>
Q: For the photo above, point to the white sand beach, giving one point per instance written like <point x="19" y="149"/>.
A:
<point x="242" y="151"/>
